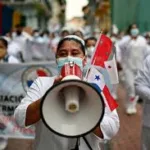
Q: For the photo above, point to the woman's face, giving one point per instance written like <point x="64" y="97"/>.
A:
<point x="2" y="46"/>
<point x="3" y="50"/>
<point x="70" y="48"/>
<point x="91" y="43"/>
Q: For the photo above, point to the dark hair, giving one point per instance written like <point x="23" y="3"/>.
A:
<point x="71" y="39"/>
<point x="85" y="7"/>
<point x="129" y="28"/>
<point x="35" y="30"/>
<point x="4" y="42"/>
<point x="90" y="38"/>
<point x="65" y="31"/>
<point x="80" y="32"/>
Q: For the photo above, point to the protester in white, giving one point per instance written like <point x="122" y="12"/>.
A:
<point x="55" y="38"/>
<point x="36" y="36"/>
<point x="28" y="111"/>
<point x="142" y="86"/>
<point x="133" y="48"/>
<point x="147" y="37"/>
<point x="17" y="46"/>
<point x="90" y="43"/>
<point x="4" y="56"/>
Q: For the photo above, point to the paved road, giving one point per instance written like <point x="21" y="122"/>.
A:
<point x="128" y="137"/>
<point x="129" y="134"/>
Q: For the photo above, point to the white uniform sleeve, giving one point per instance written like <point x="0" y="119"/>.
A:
<point x="110" y="124"/>
<point x="142" y="80"/>
<point x="12" y="59"/>
<point x="147" y="51"/>
<point x="118" y="53"/>
<point x="35" y="92"/>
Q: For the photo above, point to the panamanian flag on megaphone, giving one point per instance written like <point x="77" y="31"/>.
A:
<point x="94" y="76"/>
<point x="104" y="56"/>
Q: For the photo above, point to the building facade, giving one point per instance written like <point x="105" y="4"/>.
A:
<point x="36" y="12"/>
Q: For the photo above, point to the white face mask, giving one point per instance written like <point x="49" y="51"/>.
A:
<point x="90" y="50"/>
<point x="77" y="60"/>
<point x="134" y="32"/>
<point x="36" y="34"/>
<point x="14" y="34"/>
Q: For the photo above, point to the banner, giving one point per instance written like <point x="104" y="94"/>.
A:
<point x="38" y="51"/>
<point x="15" y="79"/>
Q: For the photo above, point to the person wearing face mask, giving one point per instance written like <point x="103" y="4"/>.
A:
<point x="70" y="48"/>
<point x="17" y="31"/>
<point x="90" y="45"/>
<point x="134" y="32"/>
<point x="147" y="37"/>
<point x="4" y="56"/>
<point x="36" y="33"/>
<point x="133" y="51"/>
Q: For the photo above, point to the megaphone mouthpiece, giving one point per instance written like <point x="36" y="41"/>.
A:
<point x="71" y="96"/>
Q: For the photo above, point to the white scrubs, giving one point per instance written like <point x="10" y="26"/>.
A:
<point x="45" y="139"/>
<point x="142" y="86"/>
<point x="133" y="52"/>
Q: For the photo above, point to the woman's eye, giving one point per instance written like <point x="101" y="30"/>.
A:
<point x="62" y="54"/>
<point x="75" y="53"/>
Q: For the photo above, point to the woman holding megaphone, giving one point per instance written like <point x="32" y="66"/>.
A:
<point x="70" y="49"/>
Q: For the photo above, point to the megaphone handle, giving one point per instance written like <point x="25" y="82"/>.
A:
<point x="87" y="143"/>
<point x="77" y="145"/>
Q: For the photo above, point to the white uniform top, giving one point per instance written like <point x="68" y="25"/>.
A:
<point x="11" y="60"/>
<point x="18" y="45"/>
<point x="45" y="139"/>
<point x="142" y="86"/>
<point x="133" y="51"/>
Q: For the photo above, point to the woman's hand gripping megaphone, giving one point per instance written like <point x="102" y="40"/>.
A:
<point x="58" y="79"/>
<point x="33" y="110"/>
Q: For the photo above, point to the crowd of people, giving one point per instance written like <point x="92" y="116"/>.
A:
<point x="133" y="59"/>
<point x="18" y="39"/>
<point x="132" y="50"/>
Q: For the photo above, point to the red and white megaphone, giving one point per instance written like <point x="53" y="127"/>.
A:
<point x="71" y="71"/>
<point x="72" y="107"/>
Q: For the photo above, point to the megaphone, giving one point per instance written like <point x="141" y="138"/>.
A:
<point x="72" y="107"/>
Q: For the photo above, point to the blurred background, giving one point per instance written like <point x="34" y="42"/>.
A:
<point x="98" y="14"/>
<point x="42" y="23"/>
